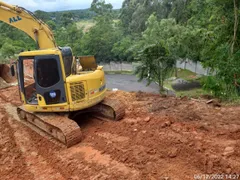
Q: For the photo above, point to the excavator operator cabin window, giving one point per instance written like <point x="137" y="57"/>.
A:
<point x="47" y="72"/>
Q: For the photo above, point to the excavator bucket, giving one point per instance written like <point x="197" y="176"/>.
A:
<point x="88" y="63"/>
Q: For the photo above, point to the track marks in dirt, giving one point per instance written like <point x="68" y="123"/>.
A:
<point x="98" y="158"/>
<point x="36" y="164"/>
<point x="38" y="153"/>
<point x="113" y="137"/>
<point x="28" y="143"/>
<point x="12" y="161"/>
<point x="47" y="160"/>
<point x="11" y="95"/>
<point x="145" y="152"/>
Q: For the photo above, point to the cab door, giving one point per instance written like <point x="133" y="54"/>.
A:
<point x="49" y="80"/>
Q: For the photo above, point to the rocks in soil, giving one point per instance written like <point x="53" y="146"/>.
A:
<point x="214" y="102"/>
<point x="228" y="151"/>
<point x="166" y="124"/>
<point x="173" y="153"/>
<point x="147" y="119"/>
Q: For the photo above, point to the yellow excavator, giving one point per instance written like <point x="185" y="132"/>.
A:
<point x="57" y="93"/>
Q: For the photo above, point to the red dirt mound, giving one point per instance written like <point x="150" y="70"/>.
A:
<point x="5" y="73"/>
<point x="159" y="138"/>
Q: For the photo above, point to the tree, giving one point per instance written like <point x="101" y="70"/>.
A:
<point x="61" y="36"/>
<point x="51" y="24"/>
<point x="156" y="64"/>
<point x="66" y="19"/>
<point x="220" y="52"/>
<point x="100" y="40"/>
<point x="126" y="12"/>
<point x="101" y="8"/>
<point x="44" y="16"/>
<point x="139" y="17"/>
<point x="122" y="49"/>
<point x="7" y="50"/>
<point x="74" y="34"/>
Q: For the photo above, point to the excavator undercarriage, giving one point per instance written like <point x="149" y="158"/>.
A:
<point x="62" y="126"/>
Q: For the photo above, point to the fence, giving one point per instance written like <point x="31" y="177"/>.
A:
<point x="195" y="67"/>
<point x="115" y="66"/>
<point x="186" y="64"/>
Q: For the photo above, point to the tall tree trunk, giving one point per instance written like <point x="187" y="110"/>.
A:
<point x="176" y="70"/>
<point x="235" y="25"/>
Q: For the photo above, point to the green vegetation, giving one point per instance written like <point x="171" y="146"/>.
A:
<point x="206" y="31"/>
<point x="119" y="72"/>
<point x="185" y="74"/>
<point x="13" y="41"/>
<point x="194" y="93"/>
<point x="188" y="76"/>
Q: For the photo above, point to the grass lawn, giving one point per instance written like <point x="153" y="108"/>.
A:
<point x="186" y="75"/>
<point x="119" y="72"/>
<point x="85" y="24"/>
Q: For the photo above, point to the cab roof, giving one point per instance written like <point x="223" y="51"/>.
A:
<point x="54" y="51"/>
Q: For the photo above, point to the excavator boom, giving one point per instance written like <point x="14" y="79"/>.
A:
<point x="27" y="22"/>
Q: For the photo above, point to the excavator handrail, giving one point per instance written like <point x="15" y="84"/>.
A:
<point x="26" y="21"/>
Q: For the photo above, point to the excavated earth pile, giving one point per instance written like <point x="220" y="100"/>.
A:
<point x="5" y="76"/>
<point x="5" y="73"/>
<point x="159" y="138"/>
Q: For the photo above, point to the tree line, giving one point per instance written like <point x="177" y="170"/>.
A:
<point x="156" y="32"/>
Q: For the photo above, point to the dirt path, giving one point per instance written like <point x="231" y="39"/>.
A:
<point x="159" y="138"/>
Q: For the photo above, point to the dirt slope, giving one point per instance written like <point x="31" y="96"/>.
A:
<point x="159" y="138"/>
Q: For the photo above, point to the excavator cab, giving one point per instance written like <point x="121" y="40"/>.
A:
<point x="42" y="76"/>
<point x="48" y="82"/>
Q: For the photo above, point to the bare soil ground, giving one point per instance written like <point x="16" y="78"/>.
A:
<point x="159" y="138"/>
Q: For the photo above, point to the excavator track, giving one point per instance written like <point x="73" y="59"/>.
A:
<point x="111" y="108"/>
<point x="63" y="128"/>
<point x="59" y="126"/>
<point x="108" y="109"/>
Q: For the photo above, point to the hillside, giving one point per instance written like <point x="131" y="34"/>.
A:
<point x="80" y="14"/>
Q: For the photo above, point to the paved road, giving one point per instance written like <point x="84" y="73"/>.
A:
<point x="129" y="83"/>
